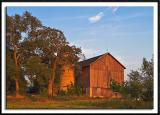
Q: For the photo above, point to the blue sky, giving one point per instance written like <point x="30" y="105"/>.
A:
<point x="125" y="32"/>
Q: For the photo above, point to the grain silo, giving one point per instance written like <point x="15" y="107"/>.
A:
<point x="66" y="77"/>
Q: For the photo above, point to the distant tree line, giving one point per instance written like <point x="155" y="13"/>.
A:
<point x="140" y="83"/>
<point x="35" y="51"/>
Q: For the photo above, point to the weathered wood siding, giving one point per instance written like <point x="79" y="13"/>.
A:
<point x="102" y="72"/>
<point x="67" y="77"/>
<point x="116" y="70"/>
<point x="98" y="73"/>
<point x="101" y="92"/>
<point x="85" y="77"/>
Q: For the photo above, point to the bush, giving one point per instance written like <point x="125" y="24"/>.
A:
<point x="62" y="93"/>
<point x="72" y="90"/>
<point x="43" y="91"/>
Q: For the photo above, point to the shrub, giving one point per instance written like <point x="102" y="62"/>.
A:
<point x="72" y="90"/>
<point x="61" y="93"/>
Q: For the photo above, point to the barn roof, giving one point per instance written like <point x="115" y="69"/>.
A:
<point x="90" y="60"/>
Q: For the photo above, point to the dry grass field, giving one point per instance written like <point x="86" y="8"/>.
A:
<point x="38" y="102"/>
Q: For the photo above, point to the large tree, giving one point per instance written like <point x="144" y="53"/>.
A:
<point x="135" y="84"/>
<point x="143" y="81"/>
<point x="147" y="77"/>
<point x="14" y="29"/>
<point x="28" y="38"/>
<point x="53" y="47"/>
<point x="19" y="28"/>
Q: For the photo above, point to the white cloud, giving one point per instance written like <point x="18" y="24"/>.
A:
<point x="71" y="43"/>
<point x="115" y="9"/>
<point x="96" y="18"/>
<point x="89" y="53"/>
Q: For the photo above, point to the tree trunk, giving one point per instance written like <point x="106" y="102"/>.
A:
<point x="51" y="80"/>
<point x="16" y="64"/>
<point x="15" y="56"/>
<point x="53" y="77"/>
<point x="17" y="88"/>
<point x="50" y="83"/>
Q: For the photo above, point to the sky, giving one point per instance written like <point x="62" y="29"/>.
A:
<point x="125" y="32"/>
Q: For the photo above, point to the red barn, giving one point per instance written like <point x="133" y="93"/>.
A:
<point x="97" y="74"/>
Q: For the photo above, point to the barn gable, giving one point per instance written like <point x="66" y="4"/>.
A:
<point x="91" y="60"/>
<point x="98" y="72"/>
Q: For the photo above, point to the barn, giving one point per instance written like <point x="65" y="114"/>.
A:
<point x="97" y="74"/>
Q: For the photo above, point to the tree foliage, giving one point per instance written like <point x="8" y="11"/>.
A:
<point x="37" y="50"/>
<point x="140" y="83"/>
<point x="37" y="70"/>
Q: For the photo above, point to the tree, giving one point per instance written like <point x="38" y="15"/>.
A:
<point x="16" y="26"/>
<point x="14" y="30"/>
<point x="115" y="86"/>
<point x="135" y="84"/>
<point x="53" y="48"/>
<point x="28" y="44"/>
<point x="38" y="71"/>
<point x="121" y="88"/>
<point x="10" y="69"/>
<point x="147" y="77"/>
<point x="28" y="39"/>
<point x="49" y="42"/>
<point x="140" y="83"/>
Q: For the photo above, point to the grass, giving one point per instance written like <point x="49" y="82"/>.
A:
<point x="37" y="102"/>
